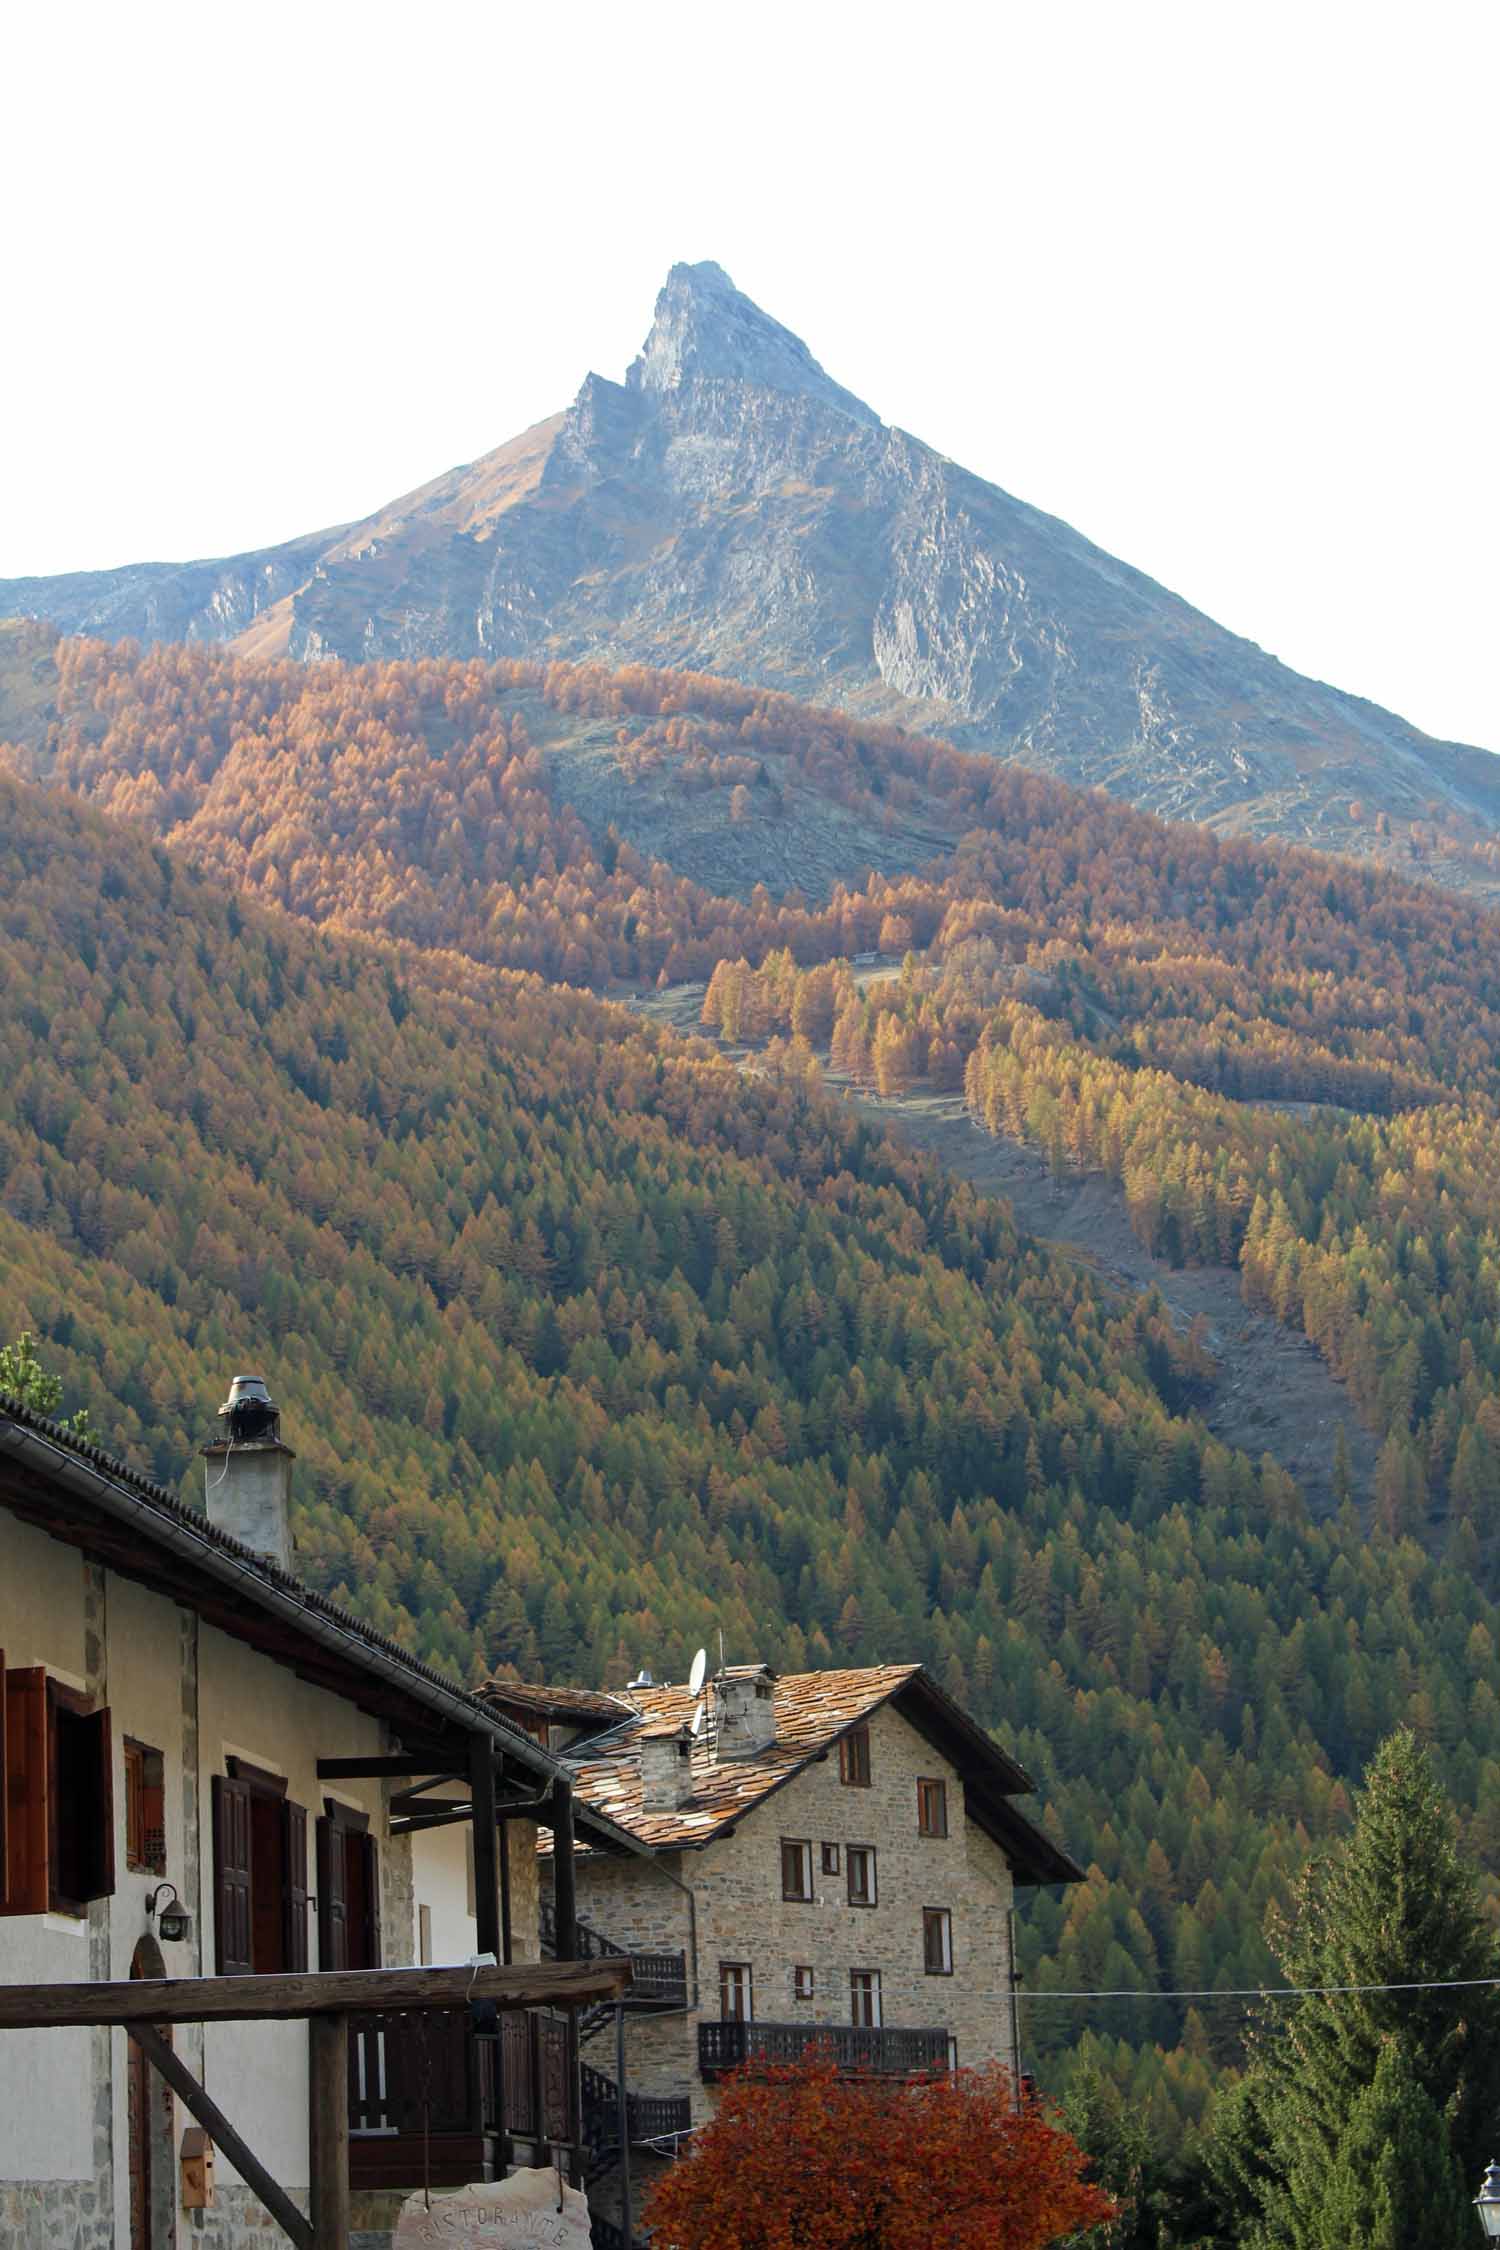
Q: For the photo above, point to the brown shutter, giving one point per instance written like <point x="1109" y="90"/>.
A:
<point x="333" y="1913"/>
<point x="26" y="1775"/>
<point x="96" y="1842"/>
<point x="294" y="1894"/>
<point x="366" y="1846"/>
<point x="232" y="1941"/>
<point x="4" y="1877"/>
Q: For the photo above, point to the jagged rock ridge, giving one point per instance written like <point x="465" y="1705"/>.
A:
<point x="730" y="508"/>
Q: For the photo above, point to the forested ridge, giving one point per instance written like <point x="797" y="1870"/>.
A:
<point x="1137" y="998"/>
<point x="587" y="1346"/>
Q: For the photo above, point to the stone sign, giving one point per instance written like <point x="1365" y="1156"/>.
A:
<point x="520" y="2213"/>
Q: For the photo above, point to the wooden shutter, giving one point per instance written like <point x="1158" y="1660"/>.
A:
<point x="4" y="1877"/>
<point x="366" y="1847"/>
<point x="96" y="1836"/>
<point x="333" y="1913"/>
<point x="28" y="1825"/>
<point x="294" y="1894"/>
<point x="232" y="1925"/>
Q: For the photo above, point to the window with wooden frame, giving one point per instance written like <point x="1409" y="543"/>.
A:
<point x="860" y="1861"/>
<point x="796" y="1869"/>
<point x="802" y="1983"/>
<point x="736" y="1992"/>
<point x="937" y="1941"/>
<point x="830" y="1859"/>
<point x="145" y="1809"/>
<point x="57" y="1836"/>
<point x="932" y="1808"/>
<point x="864" y="1999"/>
<point x="260" y="1874"/>
<point x="348" y="1890"/>
<point x="854" y="1758"/>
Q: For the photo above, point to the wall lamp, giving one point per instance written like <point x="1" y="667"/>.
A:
<point x="173" y="1921"/>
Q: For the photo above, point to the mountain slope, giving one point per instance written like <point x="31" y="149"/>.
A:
<point x="587" y="1346"/>
<point x="731" y="508"/>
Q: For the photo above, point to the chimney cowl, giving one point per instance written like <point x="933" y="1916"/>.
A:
<point x="247" y="1482"/>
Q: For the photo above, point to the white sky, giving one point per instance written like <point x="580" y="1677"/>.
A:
<point x="1215" y="282"/>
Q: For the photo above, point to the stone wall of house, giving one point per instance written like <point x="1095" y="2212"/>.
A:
<point x="742" y="1917"/>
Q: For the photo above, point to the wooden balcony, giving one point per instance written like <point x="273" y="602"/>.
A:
<point x="892" y="2052"/>
<point x="428" y="2100"/>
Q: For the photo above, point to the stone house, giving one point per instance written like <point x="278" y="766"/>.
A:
<point x="186" y="1728"/>
<point x="825" y="1857"/>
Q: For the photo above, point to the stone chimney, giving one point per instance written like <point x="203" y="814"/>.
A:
<point x="666" y="1767"/>
<point x="248" y="1473"/>
<point x="746" y="1696"/>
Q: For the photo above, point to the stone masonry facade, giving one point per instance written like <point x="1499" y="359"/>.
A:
<point x="742" y="1917"/>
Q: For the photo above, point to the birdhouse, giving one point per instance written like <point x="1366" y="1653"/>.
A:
<point x="197" y="2169"/>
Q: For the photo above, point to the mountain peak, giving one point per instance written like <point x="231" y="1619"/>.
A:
<point x="705" y="327"/>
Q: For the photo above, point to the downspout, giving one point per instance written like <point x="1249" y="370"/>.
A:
<point x="1014" y="1980"/>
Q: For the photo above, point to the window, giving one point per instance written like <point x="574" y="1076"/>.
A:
<point x="854" y="1758"/>
<point x="796" y="1868"/>
<point x="736" y="1993"/>
<point x="861" y="1865"/>
<point x="937" y="1941"/>
<point x="260" y="1874"/>
<point x="57" y="1841"/>
<point x="932" y="1808"/>
<point x="802" y="1984"/>
<point x="348" y="1890"/>
<point x="830" y="1859"/>
<point x="145" y="1810"/>
<point x="864" y="1998"/>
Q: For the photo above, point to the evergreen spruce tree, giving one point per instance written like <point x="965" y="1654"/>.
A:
<point x="1394" y="2183"/>
<point x="1390" y="1905"/>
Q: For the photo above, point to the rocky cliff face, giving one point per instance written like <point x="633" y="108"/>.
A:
<point x="730" y="508"/>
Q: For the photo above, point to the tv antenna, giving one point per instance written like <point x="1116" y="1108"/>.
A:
<point x="697" y="1673"/>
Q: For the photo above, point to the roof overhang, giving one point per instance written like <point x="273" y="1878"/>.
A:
<point x="77" y="1495"/>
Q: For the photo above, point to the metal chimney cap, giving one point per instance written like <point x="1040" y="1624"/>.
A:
<point x="245" y="1389"/>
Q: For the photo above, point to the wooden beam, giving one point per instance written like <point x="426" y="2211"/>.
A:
<point x="411" y="1824"/>
<point x="488" y="1935"/>
<point x="520" y="1984"/>
<point x="328" y="2129"/>
<point x="380" y="1769"/>
<point x="200" y="2105"/>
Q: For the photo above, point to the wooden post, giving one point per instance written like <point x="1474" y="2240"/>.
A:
<point x="208" y="2114"/>
<point x="564" y="1878"/>
<point x="565" y="1916"/>
<point x="488" y="1935"/>
<point x="328" y="2129"/>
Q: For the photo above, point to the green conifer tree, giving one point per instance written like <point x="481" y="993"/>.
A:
<point x="1393" y="2183"/>
<point x="1391" y="1905"/>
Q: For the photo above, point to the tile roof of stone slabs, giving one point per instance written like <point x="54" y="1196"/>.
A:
<point x="812" y="1710"/>
<point x="556" y="1702"/>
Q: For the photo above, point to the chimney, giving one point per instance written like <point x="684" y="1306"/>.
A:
<point x="248" y="1473"/>
<point x="666" y="1767"/>
<point x="746" y="1696"/>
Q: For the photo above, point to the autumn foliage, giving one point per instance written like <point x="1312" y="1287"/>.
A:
<point x="805" y="2158"/>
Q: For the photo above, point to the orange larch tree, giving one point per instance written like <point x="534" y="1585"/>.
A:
<point x="803" y="2157"/>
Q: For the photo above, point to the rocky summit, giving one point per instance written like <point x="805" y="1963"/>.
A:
<point x="730" y="508"/>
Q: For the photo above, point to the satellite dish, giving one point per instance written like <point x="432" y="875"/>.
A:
<point x="697" y="1728"/>
<point x="698" y="1672"/>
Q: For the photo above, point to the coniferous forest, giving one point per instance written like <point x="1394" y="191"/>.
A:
<point x="589" y="1342"/>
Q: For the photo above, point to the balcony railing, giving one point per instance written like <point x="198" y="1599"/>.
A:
<point x="648" y="2117"/>
<point x="427" y="2099"/>
<point x="658" y="1980"/>
<point x="889" y="2052"/>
